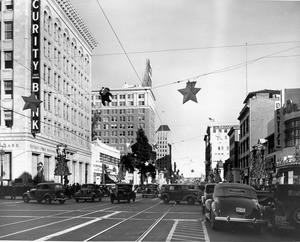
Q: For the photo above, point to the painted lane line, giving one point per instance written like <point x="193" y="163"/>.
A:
<point x="170" y="235"/>
<point x="45" y="225"/>
<point x="111" y="227"/>
<point x="205" y="232"/>
<point x="76" y="227"/>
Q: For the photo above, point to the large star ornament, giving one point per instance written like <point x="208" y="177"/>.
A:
<point x="31" y="102"/>
<point x="189" y="92"/>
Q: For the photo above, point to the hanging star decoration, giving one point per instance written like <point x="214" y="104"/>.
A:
<point x="31" y="102"/>
<point x="189" y="92"/>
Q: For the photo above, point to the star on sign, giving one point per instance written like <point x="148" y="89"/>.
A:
<point x="31" y="102"/>
<point x="189" y="92"/>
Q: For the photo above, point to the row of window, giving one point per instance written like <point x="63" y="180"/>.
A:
<point x="118" y="111"/>
<point x="115" y="133"/>
<point x="64" y="39"/>
<point x="65" y="87"/>
<point x="120" y="118"/>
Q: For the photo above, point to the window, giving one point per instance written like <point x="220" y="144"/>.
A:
<point x="8" y="90"/>
<point x="8" y="118"/>
<point x="8" y="30"/>
<point x="8" y="59"/>
<point x="9" y="4"/>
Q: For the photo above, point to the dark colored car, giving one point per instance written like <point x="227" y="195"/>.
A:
<point x="207" y="193"/>
<point x="150" y="190"/>
<point x="284" y="209"/>
<point x="46" y="191"/>
<point x="178" y="193"/>
<point x="234" y="203"/>
<point x="199" y="189"/>
<point x="89" y="192"/>
<point x="122" y="191"/>
<point x="105" y="191"/>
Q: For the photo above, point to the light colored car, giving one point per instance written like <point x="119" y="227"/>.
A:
<point x="234" y="203"/>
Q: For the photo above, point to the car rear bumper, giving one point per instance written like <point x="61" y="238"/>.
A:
<point x="241" y="220"/>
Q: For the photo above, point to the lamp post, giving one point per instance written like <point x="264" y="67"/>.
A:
<point x="2" y="153"/>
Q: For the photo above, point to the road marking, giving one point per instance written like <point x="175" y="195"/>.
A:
<point x="75" y="227"/>
<point x="111" y="227"/>
<point x="60" y="221"/>
<point x="188" y="230"/>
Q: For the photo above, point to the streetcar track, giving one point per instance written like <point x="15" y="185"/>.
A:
<point x="115" y="225"/>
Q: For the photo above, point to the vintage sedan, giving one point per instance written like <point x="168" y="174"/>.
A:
<point x="178" y="193"/>
<point x="46" y="191"/>
<point x="122" y="191"/>
<point x="88" y="192"/>
<point x="150" y="190"/>
<point x="234" y="203"/>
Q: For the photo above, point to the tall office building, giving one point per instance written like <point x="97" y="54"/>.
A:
<point x="45" y="56"/>
<point x="131" y="108"/>
<point x="258" y="110"/>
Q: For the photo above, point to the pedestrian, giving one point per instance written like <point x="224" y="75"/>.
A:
<point x="13" y="191"/>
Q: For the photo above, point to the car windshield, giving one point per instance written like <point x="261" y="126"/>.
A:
<point x="124" y="186"/>
<point x="152" y="186"/>
<point x="88" y="186"/>
<point x="210" y="188"/>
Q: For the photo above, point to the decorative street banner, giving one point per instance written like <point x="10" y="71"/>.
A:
<point x="35" y="64"/>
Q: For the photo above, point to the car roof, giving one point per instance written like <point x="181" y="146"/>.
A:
<point x="234" y="185"/>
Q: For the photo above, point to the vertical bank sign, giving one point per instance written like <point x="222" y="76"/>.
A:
<point x="35" y="63"/>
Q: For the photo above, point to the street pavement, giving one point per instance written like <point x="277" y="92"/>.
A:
<point x="148" y="219"/>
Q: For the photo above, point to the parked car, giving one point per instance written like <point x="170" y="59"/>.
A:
<point x="178" y="193"/>
<point x="122" y="191"/>
<point x="284" y="209"/>
<point x="89" y="192"/>
<point x="46" y="191"/>
<point x="105" y="190"/>
<point x="207" y="193"/>
<point x="150" y="190"/>
<point x="234" y="203"/>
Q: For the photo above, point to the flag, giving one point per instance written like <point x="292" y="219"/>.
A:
<point x="211" y="119"/>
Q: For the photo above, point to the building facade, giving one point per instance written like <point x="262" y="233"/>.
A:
<point x="163" y="154"/>
<point x="258" y="110"/>
<point x="216" y="151"/>
<point x="131" y="108"/>
<point x="282" y="149"/>
<point x="45" y="56"/>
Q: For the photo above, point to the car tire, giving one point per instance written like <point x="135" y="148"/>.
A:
<point x="26" y="198"/>
<point x="77" y="200"/>
<point x="62" y="201"/>
<point x="128" y="200"/>
<point x="93" y="199"/>
<point x="177" y="202"/>
<point x="296" y="218"/>
<point x="191" y="201"/>
<point x="100" y="198"/>
<point x="166" y="199"/>
<point x="203" y="209"/>
<point x="111" y="199"/>
<point x="48" y="199"/>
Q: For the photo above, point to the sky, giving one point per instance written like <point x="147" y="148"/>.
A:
<point x="229" y="47"/>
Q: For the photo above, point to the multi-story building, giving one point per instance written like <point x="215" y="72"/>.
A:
<point x="45" y="56"/>
<point x="163" y="154"/>
<point x="131" y="108"/>
<point x="231" y="167"/>
<point x="216" y="150"/>
<point x="257" y="112"/>
<point x="282" y="147"/>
